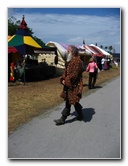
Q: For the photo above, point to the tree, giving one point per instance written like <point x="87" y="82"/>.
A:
<point x="114" y="51"/>
<point x="106" y="47"/>
<point x="110" y="48"/>
<point x="13" y="25"/>
<point x="101" y="46"/>
<point x="39" y="41"/>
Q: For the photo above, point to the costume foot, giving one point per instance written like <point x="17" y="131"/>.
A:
<point x="59" y="121"/>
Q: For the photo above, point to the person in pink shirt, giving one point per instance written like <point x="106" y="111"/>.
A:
<point x="92" y="68"/>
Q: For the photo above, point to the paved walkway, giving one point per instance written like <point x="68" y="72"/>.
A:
<point x="96" y="137"/>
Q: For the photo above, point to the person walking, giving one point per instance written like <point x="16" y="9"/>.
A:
<point x="73" y="86"/>
<point x="102" y="63"/>
<point x="92" y="68"/>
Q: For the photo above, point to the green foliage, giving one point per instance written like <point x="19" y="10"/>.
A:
<point x="101" y="46"/>
<point x="39" y="41"/>
<point x="110" y="48"/>
<point x="13" y="25"/>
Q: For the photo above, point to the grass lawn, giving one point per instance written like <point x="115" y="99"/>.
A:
<point x="28" y="101"/>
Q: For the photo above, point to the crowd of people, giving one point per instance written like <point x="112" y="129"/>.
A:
<point x="105" y="62"/>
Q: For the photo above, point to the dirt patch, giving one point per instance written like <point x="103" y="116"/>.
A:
<point x="34" y="98"/>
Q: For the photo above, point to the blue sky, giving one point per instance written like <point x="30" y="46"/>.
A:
<point x="72" y="25"/>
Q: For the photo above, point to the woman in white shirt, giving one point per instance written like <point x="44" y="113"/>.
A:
<point x="102" y="63"/>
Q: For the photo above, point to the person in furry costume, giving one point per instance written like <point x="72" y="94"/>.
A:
<point x="73" y="86"/>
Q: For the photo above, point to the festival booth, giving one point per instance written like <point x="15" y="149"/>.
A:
<point x="97" y="53"/>
<point x="85" y="52"/>
<point x="62" y="53"/>
<point x="21" y="48"/>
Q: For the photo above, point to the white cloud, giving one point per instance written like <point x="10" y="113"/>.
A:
<point x="74" y="28"/>
<point x="75" y="40"/>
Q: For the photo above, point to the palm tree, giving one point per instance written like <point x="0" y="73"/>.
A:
<point x="114" y="51"/>
<point x="110" y="48"/>
<point x="101" y="46"/>
<point x="106" y="47"/>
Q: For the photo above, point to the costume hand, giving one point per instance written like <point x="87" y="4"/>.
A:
<point x="63" y="82"/>
<point x="79" y="95"/>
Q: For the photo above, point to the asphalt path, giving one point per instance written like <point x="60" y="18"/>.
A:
<point x="98" y="136"/>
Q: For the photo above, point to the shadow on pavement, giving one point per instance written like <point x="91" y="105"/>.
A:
<point x="97" y="87"/>
<point x="87" y="115"/>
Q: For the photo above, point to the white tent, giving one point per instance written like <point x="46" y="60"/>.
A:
<point x="61" y="51"/>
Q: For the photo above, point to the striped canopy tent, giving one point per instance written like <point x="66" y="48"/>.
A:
<point x="12" y="50"/>
<point x="9" y="37"/>
<point x="83" y="53"/>
<point x="105" y="53"/>
<point x="22" y="40"/>
<point x="95" y="50"/>
<point x="80" y="48"/>
<point x="62" y="52"/>
<point x="62" y="48"/>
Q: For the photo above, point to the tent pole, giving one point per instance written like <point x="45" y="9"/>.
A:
<point x="24" y="73"/>
<point x="24" y="64"/>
